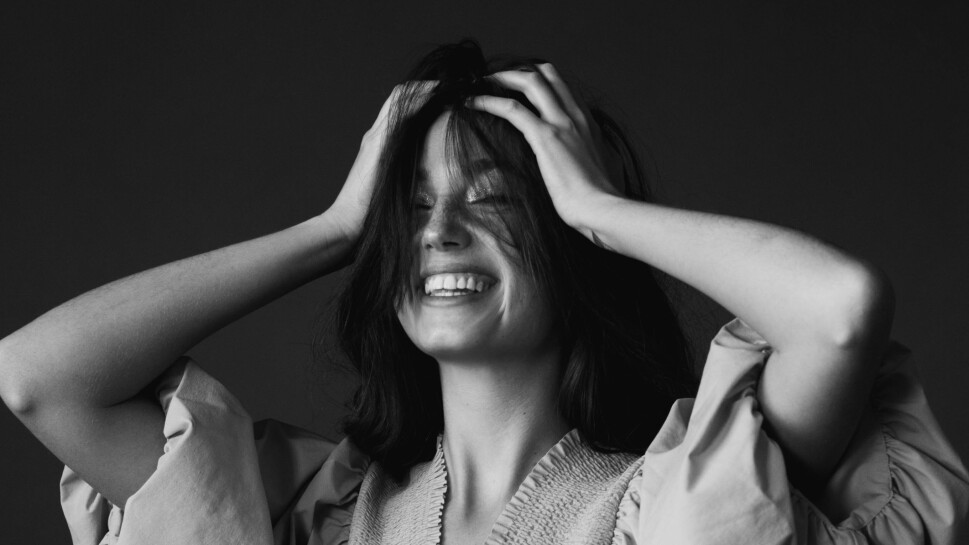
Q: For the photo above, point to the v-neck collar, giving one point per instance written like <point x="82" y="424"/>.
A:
<point x="572" y="494"/>
<point x="506" y="518"/>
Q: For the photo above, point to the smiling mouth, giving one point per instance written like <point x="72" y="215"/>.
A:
<point x="456" y="284"/>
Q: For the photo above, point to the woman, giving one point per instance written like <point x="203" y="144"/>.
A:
<point x="517" y="359"/>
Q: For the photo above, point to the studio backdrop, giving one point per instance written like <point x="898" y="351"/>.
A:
<point x="141" y="133"/>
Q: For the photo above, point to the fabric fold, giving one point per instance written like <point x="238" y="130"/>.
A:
<point x="713" y="475"/>
<point x="321" y="509"/>
<point x="219" y="474"/>
<point x="199" y="493"/>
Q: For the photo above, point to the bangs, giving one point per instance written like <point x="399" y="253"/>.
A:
<point x="505" y="188"/>
<point x="489" y="161"/>
<point x="625" y="358"/>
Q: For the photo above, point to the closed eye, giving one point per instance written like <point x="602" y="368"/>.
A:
<point x="497" y="199"/>
<point x="422" y="201"/>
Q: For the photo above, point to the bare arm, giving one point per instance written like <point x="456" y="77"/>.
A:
<point x="826" y="314"/>
<point x="73" y="375"/>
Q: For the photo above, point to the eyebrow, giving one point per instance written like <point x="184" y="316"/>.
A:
<point x="478" y="167"/>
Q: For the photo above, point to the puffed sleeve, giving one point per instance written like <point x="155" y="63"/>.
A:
<point x="222" y="479"/>
<point x="712" y="475"/>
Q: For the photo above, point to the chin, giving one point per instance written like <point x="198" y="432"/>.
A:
<point x="449" y="345"/>
<point x="451" y="333"/>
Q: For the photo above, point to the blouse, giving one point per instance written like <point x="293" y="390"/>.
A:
<point x="711" y="475"/>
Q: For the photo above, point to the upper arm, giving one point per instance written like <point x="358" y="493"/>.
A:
<point x="813" y="393"/>
<point x="114" y="449"/>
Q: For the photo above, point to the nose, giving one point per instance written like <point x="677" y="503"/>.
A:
<point x="445" y="230"/>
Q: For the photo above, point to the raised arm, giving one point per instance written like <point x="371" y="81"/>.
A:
<point x="75" y="376"/>
<point x="826" y="314"/>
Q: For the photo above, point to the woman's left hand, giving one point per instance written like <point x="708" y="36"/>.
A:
<point x="565" y="139"/>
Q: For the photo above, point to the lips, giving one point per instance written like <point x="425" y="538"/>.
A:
<point x="456" y="284"/>
<point x="455" y="280"/>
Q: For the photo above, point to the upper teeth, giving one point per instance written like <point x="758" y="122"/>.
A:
<point x="456" y="281"/>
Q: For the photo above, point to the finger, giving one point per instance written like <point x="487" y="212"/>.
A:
<point x="416" y="90"/>
<point x="538" y="91"/>
<point x="511" y="110"/>
<point x="576" y="110"/>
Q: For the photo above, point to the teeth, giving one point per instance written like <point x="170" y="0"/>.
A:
<point x="447" y="293"/>
<point x="452" y="284"/>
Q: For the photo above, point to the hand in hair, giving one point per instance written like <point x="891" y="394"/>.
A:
<point x="567" y="142"/>
<point x="350" y="207"/>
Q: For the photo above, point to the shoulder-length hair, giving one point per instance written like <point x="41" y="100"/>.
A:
<point x="627" y="358"/>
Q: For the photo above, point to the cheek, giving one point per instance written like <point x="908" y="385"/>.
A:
<point x="526" y="311"/>
<point x="411" y="326"/>
<point x="409" y="316"/>
<point x="406" y="318"/>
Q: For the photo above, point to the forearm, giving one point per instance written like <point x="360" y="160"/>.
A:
<point x="104" y="346"/>
<point x="789" y="287"/>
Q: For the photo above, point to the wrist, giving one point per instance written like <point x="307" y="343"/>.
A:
<point x="587" y="217"/>
<point x="331" y="238"/>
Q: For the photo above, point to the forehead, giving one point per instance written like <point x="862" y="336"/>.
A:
<point x="440" y="165"/>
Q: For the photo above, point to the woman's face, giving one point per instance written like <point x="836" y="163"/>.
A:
<point x="474" y="303"/>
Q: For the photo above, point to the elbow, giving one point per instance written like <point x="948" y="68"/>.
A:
<point x="12" y="390"/>
<point x="866" y="309"/>
<point x="18" y="403"/>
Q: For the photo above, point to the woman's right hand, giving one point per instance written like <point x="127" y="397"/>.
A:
<point x="350" y="207"/>
<point x="77" y="375"/>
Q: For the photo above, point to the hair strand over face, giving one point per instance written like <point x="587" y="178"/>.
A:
<point x="628" y="358"/>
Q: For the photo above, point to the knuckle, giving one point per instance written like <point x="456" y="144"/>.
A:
<point x="512" y="106"/>
<point x="560" y="131"/>
<point x="550" y="132"/>
<point x="399" y="90"/>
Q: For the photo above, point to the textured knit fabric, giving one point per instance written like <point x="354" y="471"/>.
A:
<point x="387" y="512"/>
<point x="571" y="496"/>
<point x="712" y="475"/>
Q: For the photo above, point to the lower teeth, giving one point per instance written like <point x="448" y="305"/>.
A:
<point x="452" y="293"/>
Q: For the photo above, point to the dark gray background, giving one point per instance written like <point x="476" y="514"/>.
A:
<point x="137" y="134"/>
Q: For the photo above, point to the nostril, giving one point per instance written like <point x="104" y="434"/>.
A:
<point x="443" y="242"/>
<point x="445" y="232"/>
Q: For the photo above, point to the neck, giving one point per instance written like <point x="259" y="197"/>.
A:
<point x="499" y="420"/>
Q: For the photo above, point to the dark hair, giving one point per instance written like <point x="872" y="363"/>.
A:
<point x="627" y="358"/>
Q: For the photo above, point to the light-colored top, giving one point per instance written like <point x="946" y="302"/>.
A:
<point x="711" y="475"/>
<point x="571" y="496"/>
